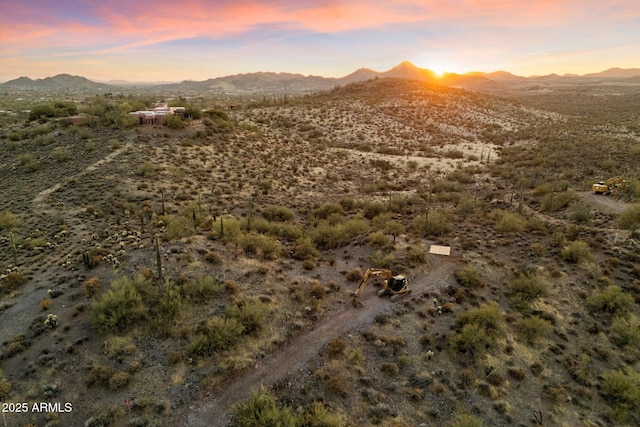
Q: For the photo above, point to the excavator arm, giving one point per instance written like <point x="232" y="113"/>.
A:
<point x="372" y="272"/>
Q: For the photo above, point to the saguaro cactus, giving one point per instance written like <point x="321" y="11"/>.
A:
<point x="159" y="261"/>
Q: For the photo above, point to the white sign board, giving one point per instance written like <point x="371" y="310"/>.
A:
<point x="440" y="250"/>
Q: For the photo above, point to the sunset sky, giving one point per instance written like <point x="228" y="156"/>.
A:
<point x="195" y="40"/>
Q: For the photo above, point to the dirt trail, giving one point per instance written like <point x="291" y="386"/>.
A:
<point x="293" y="358"/>
<point x="604" y="204"/>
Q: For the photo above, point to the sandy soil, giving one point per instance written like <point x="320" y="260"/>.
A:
<point x="291" y="360"/>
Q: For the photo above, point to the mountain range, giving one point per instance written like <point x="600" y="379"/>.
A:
<point x="271" y="82"/>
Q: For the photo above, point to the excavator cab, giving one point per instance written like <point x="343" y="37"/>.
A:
<point x="396" y="286"/>
<point x="397" y="283"/>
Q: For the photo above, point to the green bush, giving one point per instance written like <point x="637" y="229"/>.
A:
<point x="305" y="249"/>
<point x="469" y="277"/>
<point x="201" y="289"/>
<point x="378" y="239"/>
<point x="466" y="420"/>
<point x="629" y="218"/>
<point x="216" y="335"/>
<point x="136" y="301"/>
<point x="526" y="288"/>
<point x="262" y="410"/>
<point x="174" y="122"/>
<point x="278" y="213"/>
<point x="5" y="386"/>
<point x="146" y="169"/>
<point x="120" y="308"/>
<point x="577" y="251"/>
<point x="29" y="162"/>
<point x="621" y="389"/>
<point x="625" y="333"/>
<point x="266" y="247"/>
<point x="177" y="227"/>
<point x="61" y="155"/>
<point x="331" y="236"/>
<point x="477" y="330"/>
<point x="533" y="328"/>
<point x="556" y="201"/>
<point x="509" y="222"/>
<point x="327" y="209"/>
<point x="381" y="260"/>
<point x="9" y="221"/>
<point x="613" y="300"/>
<point x="251" y="314"/>
<point x="436" y="223"/>
<point x="12" y="281"/>
<point x="282" y="230"/>
<point x="417" y="256"/>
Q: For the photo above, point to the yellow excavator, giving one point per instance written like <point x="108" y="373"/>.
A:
<point x="394" y="285"/>
<point x="609" y="186"/>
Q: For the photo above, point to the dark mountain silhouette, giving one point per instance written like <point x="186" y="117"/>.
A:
<point x="271" y="82"/>
<point x="60" y="81"/>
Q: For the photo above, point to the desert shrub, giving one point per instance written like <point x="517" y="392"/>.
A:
<point x="91" y="286"/>
<point x="174" y="122"/>
<point x="381" y="260"/>
<point x="579" y="213"/>
<point x="119" y="380"/>
<point x="533" y="328"/>
<point x="436" y="223"/>
<point x="12" y="281"/>
<point x="5" y="386"/>
<point x="146" y="169"/>
<point x="216" y="335"/>
<point x="469" y="277"/>
<point x="613" y="300"/>
<point x="305" y="249"/>
<point x="554" y="201"/>
<point x="625" y="333"/>
<point x="354" y="275"/>
<point x="577" y="251"/>
<point x="114" y="144"/>
<point x="176" y="227"/>
<point x="99" y="375"/>
<point x="466" y="420"/>
<point x="9" y="221"/>
<point x="477" y="330"/>
<point x="251" y="314"/>
<point x="119" y="308"/>
<point x="378" y="239"/>
<point x="416" y="256"/>
<point x="61" y="155"/>
<point x="201" y="289"/>
<point x="336" y="347"/>
<point x="471" y="340"/>
<point x="116" y="347"/>
<point x="327" y="209"/>
<point x="330" y="236"/>
<point x="213" y="257"/>
<point x="267" y="247"/>
<point x="45" y="304"/>
<point x="453" y="153"/>
<point x="621" y="389"/>
<point x="283" y="230"/>
<point x="526" y="288"/>
<point x="278" y="213"/>
<point x="629" y="218"/>
<point x="509" y="222"/>
<point x="29" y="162"/>
<point x="261" y="409"/>
<point x="373" y="209"/>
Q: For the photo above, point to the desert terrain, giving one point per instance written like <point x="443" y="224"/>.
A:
<point x="201" y="274"/>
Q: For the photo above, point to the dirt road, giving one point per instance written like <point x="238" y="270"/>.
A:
<point x="292" y="359"/>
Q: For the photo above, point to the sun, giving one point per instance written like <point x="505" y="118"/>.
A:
<point x="438" y="66"/>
